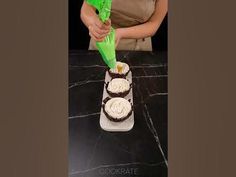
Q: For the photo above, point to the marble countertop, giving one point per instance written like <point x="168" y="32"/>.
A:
<point x="141" y="152"/>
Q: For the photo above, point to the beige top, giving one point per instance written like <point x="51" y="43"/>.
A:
<point x="130" y="13"/>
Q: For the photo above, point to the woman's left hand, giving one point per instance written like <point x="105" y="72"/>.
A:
<point x="118" y="36"/>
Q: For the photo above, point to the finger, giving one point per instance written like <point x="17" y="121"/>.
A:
<point x="95" y="38"/>
<point x="94" y="32"/>
<point x="97" y="32"/>
<point x="100" y="31"/>
<point x="97" y="35"/>
<point x="108" y="22"/>
<point x="103" y="26"/>
<point x="98" y="23"/>
<point x="117" y="42"/>
<point x="100" y="40"/>
<point x="107" y="26"/>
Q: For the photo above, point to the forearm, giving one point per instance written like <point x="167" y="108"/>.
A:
<point x="86" y="13"/>
<point x="138" y="31"/>
<point x="150" y="27"/>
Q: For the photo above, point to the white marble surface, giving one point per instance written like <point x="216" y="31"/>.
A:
<point x="109" y="125"/>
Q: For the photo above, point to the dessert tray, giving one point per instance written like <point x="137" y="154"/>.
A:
<point x="123" y="126"/>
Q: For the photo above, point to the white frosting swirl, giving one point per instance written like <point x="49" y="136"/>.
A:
<point x="118" y="107"/>
<point x="124" y="66"/>
<point x="118" y="85"/>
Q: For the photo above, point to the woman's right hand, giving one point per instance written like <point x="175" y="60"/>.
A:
<point x="98" y="30"/>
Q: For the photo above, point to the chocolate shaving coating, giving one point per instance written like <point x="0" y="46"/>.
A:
<point x="115" y="119"/>
<point x="117" y="75"/>
<point x="119" y="94"/>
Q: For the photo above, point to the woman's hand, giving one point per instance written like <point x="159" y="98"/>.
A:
<point x="118" y="35"/>
<point x="97" y="30"/>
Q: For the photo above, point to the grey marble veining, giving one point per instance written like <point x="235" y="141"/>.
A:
<point x="153" y="130"/>
<point x="84" y="82"/>
<point x="141" y="152"/>
<point x="85" y="115"/>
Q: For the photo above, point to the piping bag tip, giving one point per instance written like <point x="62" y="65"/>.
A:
<point x="107" y="50"/>
<point x="108" y="57"/>
<point x="112" y="64"/>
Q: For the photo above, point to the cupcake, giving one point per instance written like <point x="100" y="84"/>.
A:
<point x="118" y="87"/>
<point x="121" y="70"/>
<point x="117" y="109"/>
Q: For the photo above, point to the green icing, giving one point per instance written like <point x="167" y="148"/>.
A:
<point x="107" y="47"/>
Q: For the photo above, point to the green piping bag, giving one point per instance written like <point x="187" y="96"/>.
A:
<point x="107" y="46"/>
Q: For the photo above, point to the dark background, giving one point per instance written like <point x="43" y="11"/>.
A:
<point x="34" y="88"/>
<point x="78" y="33"/>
